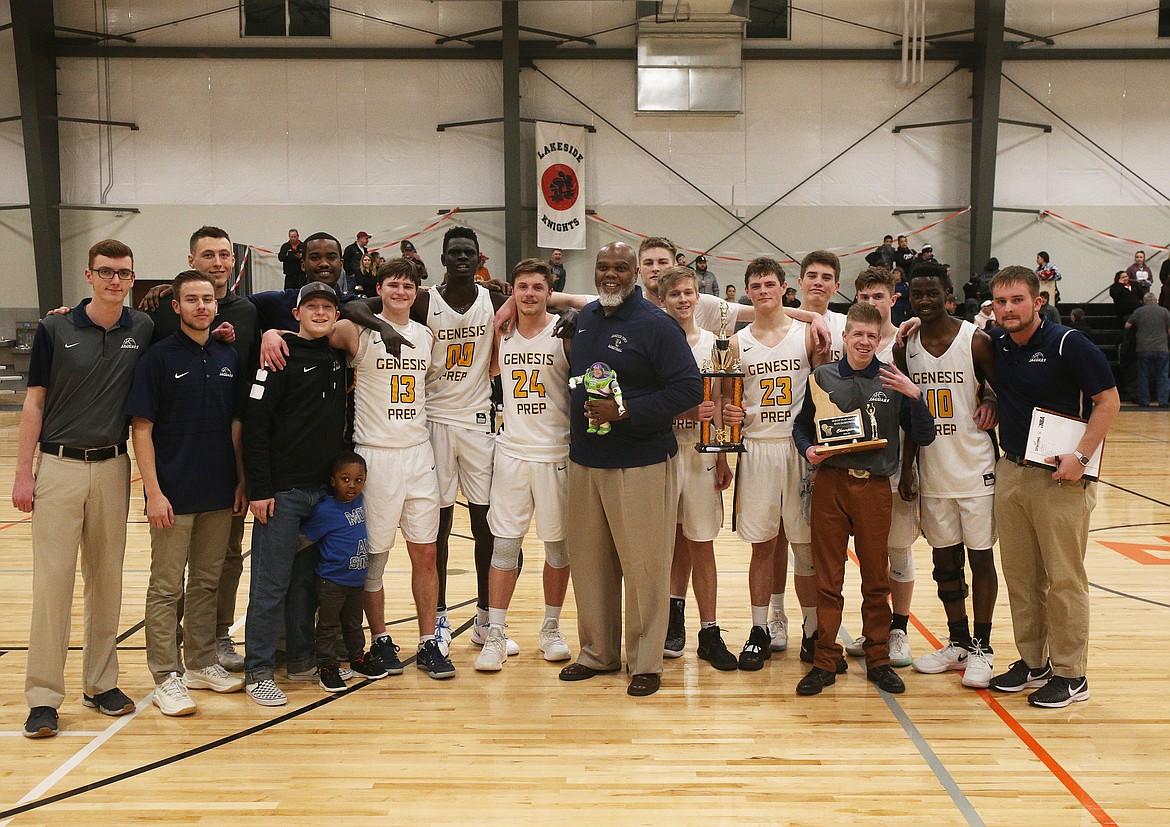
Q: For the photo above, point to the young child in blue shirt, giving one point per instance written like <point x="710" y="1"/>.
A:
<point x="338" y="526"/>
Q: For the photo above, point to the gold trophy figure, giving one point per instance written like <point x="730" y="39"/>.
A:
<point x="724" y="367"/>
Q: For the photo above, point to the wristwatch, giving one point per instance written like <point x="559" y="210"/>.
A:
<point x="1083" y="459"/>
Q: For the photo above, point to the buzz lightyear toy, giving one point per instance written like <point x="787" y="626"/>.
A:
<point x="600" y="382"/>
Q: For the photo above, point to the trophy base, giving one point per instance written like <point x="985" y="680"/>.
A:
<point x="720" y="448"/>
<point x="852" y="447"/>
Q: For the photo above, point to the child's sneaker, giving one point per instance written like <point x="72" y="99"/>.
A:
<point x="330" y="678"/>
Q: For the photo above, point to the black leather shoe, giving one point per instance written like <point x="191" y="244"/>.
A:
<point x="816" y="680"/>
<point x="581" y="672"/>
<point x="643" y="684"/>
<point x="886" y="678"/>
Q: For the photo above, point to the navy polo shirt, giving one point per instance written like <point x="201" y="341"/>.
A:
<point x="231" y="308"/>
<point x="339" y="530"/>
<point x="189" y="392"/>
<point x="1059" y="369"/>
<point x="657" y="374"/>
<point x="275" y="307"/>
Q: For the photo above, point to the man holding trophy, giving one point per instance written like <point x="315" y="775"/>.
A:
<point x="849" y="428"/>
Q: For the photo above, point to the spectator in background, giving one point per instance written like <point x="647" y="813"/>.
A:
<point x="985" y="318"/>
<point x="1164" y="298"/>
<point x="406" y="247"/>
<point x="365" y="281"/>
<point x="680" y="259"/>
<point x="705" y="278"/>
<point x="790" y="298"/>
<point x="989" y="271"/>
<point x="1125" y="295"/>
<point x="481" y="272"/>
<point x="556" y="264"/>
<point x="1140" y="274"/>
<point x="927" y="254"/>
<point x="290" y="255"/>
<point x="351" y="259"/>
<point x="1152" y="325"/>
<point x="953" y="306"/>
<point x="904" y="255"/>
<point x="900" y="312"/>
<point x="971" y="292"/>
<point x="1077" y="321"/>
<point x="1048" y="311"/>
<point x="1047" y="273"/>
<point x="887" y="251"/>
<point x="729" y="293"/>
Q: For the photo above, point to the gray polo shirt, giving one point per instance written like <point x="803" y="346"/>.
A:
<point x="86" y="371"/>
<point x="1151" y="321"/>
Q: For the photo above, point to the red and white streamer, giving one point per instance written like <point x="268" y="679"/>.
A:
<point x="1104" y="233"/>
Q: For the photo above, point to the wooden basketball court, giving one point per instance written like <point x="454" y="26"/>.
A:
<point x="521" y="747"/>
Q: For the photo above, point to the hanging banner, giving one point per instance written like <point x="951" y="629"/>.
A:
<point x="560" y="180"/>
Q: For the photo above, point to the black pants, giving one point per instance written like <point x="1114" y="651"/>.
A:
<point x="339" y="617"/>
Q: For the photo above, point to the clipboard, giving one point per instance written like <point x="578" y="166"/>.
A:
<point x="1051" y="433"/>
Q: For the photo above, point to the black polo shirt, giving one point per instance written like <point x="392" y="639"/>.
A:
<point x="189" y="392"/>
<point x="1058" y="369"/>
<point x="86" y="372"/>
<point x="657" y="374"/>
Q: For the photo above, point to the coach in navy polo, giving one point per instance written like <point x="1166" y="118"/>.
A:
<point x="621" y="484"/>
<point x="1042" y="515"/>
<point x="184" y="404"/>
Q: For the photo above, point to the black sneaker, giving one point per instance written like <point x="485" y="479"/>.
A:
<point x="41" y="722"/>
<point x="808" y="647"/>
<point x="329" y="677"/>
<point x="385" y="653"/>
<point x="1019" y="677"/>
<point x="367" y="665"/>
<point x="432" y="661"/>
<point x="1060" y="692"/>
<point x="111" y="702"/>
<point x="757" y="650"/>
<point x="886" y="678"/>
<point x="816" y="680"/>
<point x="713" y="650"/>
<point x="676" y="630"/>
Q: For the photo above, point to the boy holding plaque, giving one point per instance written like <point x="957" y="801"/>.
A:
<point x="851" y="494"/>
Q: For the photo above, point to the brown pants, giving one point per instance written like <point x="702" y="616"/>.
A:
<point x="622" y="536"/>
<point x="842" y="505"/>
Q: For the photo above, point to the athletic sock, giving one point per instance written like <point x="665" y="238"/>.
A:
<point x="707" y="624"/>
<point x="382" y="636"/>
<point x="425" y="638"/>
<point x="681" y="597"/>
<point x="481" y="616"/>
<point x="808" y="626"/>
<point x="496" y="617"/>
<point x="777" y="603"/>
<point x="983" y="634"/>
<point x="960" y="632"/>
<point x="760" y="616"/>
<point x="899" y="622"/>
<point x="553" y="611"/>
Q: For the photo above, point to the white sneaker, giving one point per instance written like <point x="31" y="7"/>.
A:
<point x="479" y="634"/>
<point x="266" y="693"/>
<point x="443" y="634"/>
<point x="900" y="648"/>
<point x="494" y="654"/>
<point x="171" y="697"/>
<point x="552" y="641"/>
<point x="951" y="657"/>
<point x="215" y="678"/>
<point x="778" y="629"/>
<point x="980" y="667"/>
<point x="856" y="649"/>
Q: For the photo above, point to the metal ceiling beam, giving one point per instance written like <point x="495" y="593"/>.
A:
<point x="985" y="94"/>
<point x="513" y="145"/>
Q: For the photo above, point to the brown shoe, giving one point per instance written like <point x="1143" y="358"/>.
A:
<point x="644" y="684"/>
<point x="581" y="672"/>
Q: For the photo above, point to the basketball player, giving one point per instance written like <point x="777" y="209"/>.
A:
<point x="531" y="464"/>
<point x="402" y="490"/>
<point x="949" y="359"/>
<point x="776" y="355"/>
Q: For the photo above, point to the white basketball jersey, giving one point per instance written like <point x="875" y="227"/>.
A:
<point x="687" y="430"/>
<point x="961" y="460"/>
<point x="459" y="385"/>
<point x="836" y="324"/>
<point x="535" y="377"/>
<point x="775" y="381"/>
<point x="390" y="394"/>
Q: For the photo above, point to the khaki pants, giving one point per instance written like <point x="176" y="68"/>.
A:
<point x="76" y="504"/>
<point x="622" y="535"/>
<point x="195" y="544"/>
<point x="1043" y="533"/>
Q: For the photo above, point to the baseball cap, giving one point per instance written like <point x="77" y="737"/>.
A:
<point x="986" y="303"/>
<point x="363" y="232"/>
<point x="314" y="289"/>
<point x="926" y="247"/>
<point x="700" y="259"/>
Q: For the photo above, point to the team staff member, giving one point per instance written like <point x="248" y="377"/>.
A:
<point x="622" y="487"/>
<point x="1043" y="515"/>
<point x="80" y="372"/>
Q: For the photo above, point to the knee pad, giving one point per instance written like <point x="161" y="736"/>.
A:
<point x="555" y="554"/>
<point x="802" y="558"/>
<point x="506" y="553"/>
<point x="902" y="564"/>
<point x="952" y="587"/>
<point x="374" y="568"/>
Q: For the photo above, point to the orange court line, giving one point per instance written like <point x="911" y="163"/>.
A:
<point x="1062" y="775"/>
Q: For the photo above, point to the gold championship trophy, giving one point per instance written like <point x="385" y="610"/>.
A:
<point x="838" y="432"/>
<point x="721" y="366"/>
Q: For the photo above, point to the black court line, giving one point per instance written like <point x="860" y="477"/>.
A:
<point x="219" y="742"/>
<point x="1127" y="594"/>
<point x="1130" y="525"/>
<point x="1135" y="493"/>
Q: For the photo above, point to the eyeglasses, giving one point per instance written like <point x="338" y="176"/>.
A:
<point x="106" y="273"/>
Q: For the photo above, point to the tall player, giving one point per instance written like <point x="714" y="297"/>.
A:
<point x="949" y="359"/>
<point x="875" y="286"/>
<point x="402" y="491"/>
<point x="776" y="354"/>
<point x="532" y="458"/>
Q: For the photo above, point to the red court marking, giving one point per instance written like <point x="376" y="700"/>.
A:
<point x="1078" y="792"/>
<point x="1141" y="553"/>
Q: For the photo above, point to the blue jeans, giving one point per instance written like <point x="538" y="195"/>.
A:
<point x="283" y="592"/>
<point x="1155" y="365"/>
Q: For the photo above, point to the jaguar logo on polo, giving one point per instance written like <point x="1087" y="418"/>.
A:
<point x="226" y="371"/>
<point x="1037" y="358"/>
<point x="616" y="341"/>
<point x="129" y="344"/>
<point x="879" y="396"/>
